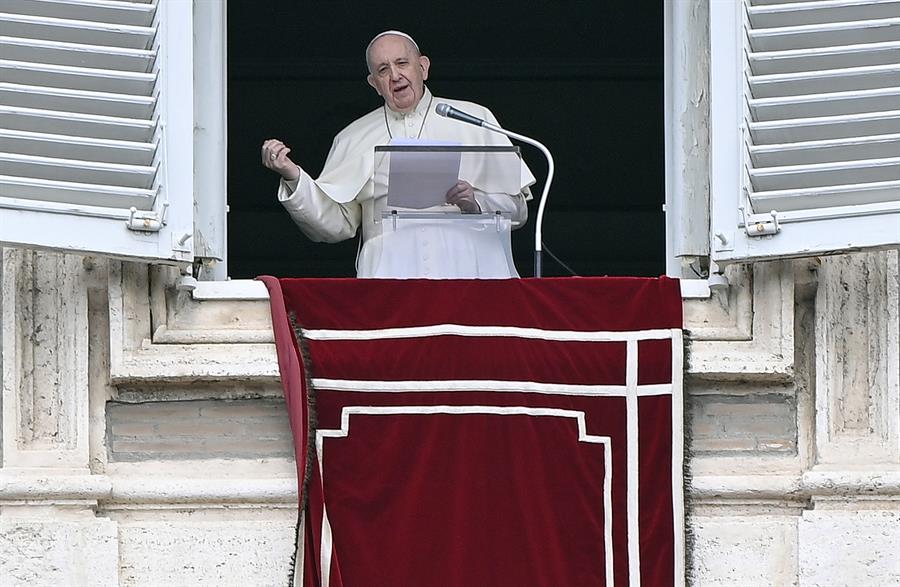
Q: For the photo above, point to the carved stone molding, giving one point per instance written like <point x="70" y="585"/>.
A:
<point x="45" y="360"/>
<point x="872" y="484"/>
<point x="160" y="336"/>
<point x="857" y="379"/>
<point x="121" y="490"/>
<point x="747" y="331"/>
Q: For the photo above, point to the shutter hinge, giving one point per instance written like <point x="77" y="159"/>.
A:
<point x="760" y="224"/>
<point x="147" y="221"/>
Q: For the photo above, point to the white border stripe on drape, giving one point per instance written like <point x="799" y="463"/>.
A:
<point x="490" y="385"/>
<point x="487" y="331"/>
<point x="608" y="513"/>
<point x="633" y="448"/>
<point x="678" y="455"/>
<point x="631" y="391"/>
<point x="327" y="548"/>
<point x="583" y="436"/>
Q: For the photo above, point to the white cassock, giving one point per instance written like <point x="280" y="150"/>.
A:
<point x="333" y="207"/>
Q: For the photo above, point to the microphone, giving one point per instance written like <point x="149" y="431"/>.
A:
<point x="444" y="109"/>
<point x="449" y="111"/>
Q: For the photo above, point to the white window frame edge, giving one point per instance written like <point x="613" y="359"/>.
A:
<point x="210" y="138"/>
<point x="685" y="80"/>
<point x="177" y="120"/>
<point x="725" y="115"/>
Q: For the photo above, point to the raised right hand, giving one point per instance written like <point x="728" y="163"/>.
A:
<point x="275" y="157"/>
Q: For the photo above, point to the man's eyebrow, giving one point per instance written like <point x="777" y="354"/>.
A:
<point x="381" y="64"/>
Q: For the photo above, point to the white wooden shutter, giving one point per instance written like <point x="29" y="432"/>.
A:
<point x="805" y="115"/>
<point x="96" y="130"/>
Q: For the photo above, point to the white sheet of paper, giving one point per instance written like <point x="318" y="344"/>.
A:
<point x="421" y="179"/>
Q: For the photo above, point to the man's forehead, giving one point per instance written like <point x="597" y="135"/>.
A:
<point x="391" y="40"/>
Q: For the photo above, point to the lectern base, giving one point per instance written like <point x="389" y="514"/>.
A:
<point x="439" y="246"/>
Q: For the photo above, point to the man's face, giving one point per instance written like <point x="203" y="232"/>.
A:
<point x="397" y="72"/>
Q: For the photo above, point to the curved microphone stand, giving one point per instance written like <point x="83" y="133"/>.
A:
<point x="450" y="112"/>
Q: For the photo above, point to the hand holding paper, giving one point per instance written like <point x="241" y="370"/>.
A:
<point x="463" y="196"/>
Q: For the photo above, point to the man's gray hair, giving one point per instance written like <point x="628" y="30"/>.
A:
<point x="384" y="34"/>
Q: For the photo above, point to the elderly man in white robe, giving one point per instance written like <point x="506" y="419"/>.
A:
<point x="333" y="207"/>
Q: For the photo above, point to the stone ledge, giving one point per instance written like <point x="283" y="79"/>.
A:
<point x="793" y="488"/>
<point x="171" y="491"/>
<point x="193" y="490"/>
<point x="188" y="490"/>
<point x="32" y="487"/>
<point x="165" y="335"/>
<point x="852" y="483"/>
<point x="170" y="364"/>
<point x="717" y="488"/>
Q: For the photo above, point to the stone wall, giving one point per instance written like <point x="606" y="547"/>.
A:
<point x="144" y="440"/>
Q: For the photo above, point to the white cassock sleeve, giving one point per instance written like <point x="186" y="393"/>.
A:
<point x="516" y="205"/>
<point x="318" y="216"/>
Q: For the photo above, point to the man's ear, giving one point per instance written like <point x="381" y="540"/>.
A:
<point x="371" y="79"/>
<point x="425" y="63"/>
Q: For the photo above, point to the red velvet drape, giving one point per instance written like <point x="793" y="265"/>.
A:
<point x="487" y="432"/>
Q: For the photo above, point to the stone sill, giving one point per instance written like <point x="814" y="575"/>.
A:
<point x="221" y="331"/>
<point x="250" y="289"/>
<point x="809" y="485"/>
<point x="233" y="289"/>
<point x="174" y="492"/>
<point x="21" y="489"/>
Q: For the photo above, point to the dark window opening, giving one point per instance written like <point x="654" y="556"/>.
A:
<point x="584" y="78"/>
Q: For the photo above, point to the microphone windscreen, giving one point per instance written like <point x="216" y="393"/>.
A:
<point x="443" y="109"/>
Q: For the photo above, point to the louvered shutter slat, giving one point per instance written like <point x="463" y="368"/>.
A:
<point x="836" y="197"/>
<point x="820" y="12"/>
<point x="77" y="54"/>
<point x="830" y="80"/>
<point x="767" y="2"/>
<point x="81" y="148"/>
<point x="829" y="104"/>
<point x="108" y="11"/>
<point x="826" y="174"/>
<point x="827" y="151"/>
<point x="825" y="35"/>
<point x="799" y="60"/>
<point x="83" y="70"/>
<point x="76" y="78"/>
<point x="76" y="31"/>
<point x="826" y="127"/>
<point x="87" y="194"/>
<point x="84" y="102"/>
<point x="823" y="103"/>
<point x="113" y="174"/>
<point x="81" y="125"/>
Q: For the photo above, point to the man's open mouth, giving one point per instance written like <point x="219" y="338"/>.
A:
<point x="400" y="88"/>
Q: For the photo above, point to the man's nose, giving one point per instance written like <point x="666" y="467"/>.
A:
<point x="395" y="72"/>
